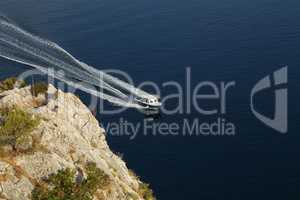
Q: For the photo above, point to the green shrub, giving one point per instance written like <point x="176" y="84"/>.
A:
<point x="39" y="88"/>
<point x="63" y="186"/>
<point x="16" y="126"/>
<point x="145" y="191"/>
<point x="11" y="83"/>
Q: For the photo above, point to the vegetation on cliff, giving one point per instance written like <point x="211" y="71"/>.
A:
<point x="144" y="189"/>
<point x="16" y="126"/>
<point x="64" y="185"/>
<point x="39" y="88"/>
<point x="11" y="83"/>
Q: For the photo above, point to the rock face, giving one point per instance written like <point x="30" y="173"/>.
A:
<point x="70" y="136"/>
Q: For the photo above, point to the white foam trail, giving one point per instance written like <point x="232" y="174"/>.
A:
<point x="69" y="69"/>
<point x="83" y="87"/>
<point x="21" y="46"/>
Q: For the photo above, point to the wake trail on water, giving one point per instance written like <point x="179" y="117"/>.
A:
<point x="18" y="45"/>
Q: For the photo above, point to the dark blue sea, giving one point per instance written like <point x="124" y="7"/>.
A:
<point x="232" y="40"/>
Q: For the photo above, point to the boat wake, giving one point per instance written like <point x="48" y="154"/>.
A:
<point x="19" y="45"/>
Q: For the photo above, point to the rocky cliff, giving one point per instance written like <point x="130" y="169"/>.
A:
<point x="68" y="136"/>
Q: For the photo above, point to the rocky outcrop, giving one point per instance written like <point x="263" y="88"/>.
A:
<point x="69" y="136"/>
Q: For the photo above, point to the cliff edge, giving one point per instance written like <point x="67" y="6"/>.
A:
<point x="67" y="137"/>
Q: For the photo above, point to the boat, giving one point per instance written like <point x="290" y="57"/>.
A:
<point x="152" y="103"/>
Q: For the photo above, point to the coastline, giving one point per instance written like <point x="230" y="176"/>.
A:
<point x="69" y="137"/>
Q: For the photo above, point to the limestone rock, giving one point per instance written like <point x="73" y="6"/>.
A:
<point x="69" y="136"/>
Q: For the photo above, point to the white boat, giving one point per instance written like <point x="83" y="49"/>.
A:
<point x="149" y="103"/>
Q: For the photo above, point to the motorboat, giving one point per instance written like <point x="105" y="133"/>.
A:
<point x="152" y="103"/>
